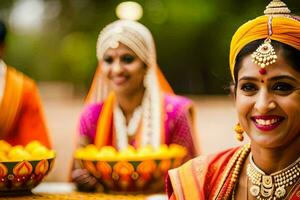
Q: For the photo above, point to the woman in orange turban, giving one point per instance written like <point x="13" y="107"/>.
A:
<point x="265" y="67"/>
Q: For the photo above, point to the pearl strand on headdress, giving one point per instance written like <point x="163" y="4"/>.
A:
<point x="152" y="118"/>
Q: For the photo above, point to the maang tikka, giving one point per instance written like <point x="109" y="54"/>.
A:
<point x="265" y="54"/>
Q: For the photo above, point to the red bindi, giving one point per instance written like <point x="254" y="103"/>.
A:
<point x="262" y="81"/>
<point x="262" y="71"/>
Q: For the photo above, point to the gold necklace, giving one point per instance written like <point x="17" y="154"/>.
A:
<point x="234" y="190"/>
<point x="235" y="165"/>
<point x="233" y="193"/>
<point x="273" y="186"/>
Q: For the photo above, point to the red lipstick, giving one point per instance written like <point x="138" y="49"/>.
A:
<point x="267" y="122"/>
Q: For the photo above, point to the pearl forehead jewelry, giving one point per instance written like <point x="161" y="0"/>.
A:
<point x="265" y="54"/>
<point x="273" y="186"/>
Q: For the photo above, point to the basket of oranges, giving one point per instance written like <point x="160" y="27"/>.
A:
<point x="130" y="170"/>
<point x="23" y="167"/>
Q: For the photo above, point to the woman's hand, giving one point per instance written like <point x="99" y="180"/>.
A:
<point x="85" y="181"/>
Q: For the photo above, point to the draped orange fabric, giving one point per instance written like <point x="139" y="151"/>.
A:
<point x="91" y="96"/>
<point x="105" y="122"/>
<point x="164" y="85"/>
<point x="23" y="109"/>
<point x="284" y="29"/>
<point x="202" y="177"/>
<point x="208" y="177"/>
<point x="10" y="104"/>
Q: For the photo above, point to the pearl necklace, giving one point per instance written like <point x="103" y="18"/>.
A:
<point x="141" y="114"/>
<point x="122" y="130"/>
<point x="273" y="186"/>
<point x="151" y="116"/>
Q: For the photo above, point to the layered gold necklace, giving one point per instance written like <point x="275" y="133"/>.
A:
<point x="273" y="186"/>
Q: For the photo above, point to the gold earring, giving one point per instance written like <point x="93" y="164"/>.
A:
<point x="239" y="132"/>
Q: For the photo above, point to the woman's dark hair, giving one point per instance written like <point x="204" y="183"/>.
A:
<point x="2" y="32"/>
<point x="291" y="54"/>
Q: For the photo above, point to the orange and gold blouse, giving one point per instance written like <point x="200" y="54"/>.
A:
<point x="210" y="177"/>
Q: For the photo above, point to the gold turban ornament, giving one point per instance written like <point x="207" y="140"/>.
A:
<point x="277" y="24"/>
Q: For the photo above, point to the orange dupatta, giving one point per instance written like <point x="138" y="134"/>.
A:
<point x="205" y="177"/>
<point x="11" y="101"/>
<point x="21" y="111"/>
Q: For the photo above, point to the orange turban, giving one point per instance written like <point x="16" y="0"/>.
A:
<point x="284" y="29"/>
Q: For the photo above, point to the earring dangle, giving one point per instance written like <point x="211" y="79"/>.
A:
<point x="239" y="132"/>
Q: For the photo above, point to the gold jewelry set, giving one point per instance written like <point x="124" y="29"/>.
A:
<point x="273" y="186"/>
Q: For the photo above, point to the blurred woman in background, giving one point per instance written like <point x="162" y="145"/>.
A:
<point x="130" y="102"/>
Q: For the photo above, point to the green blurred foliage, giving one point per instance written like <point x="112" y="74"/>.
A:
<point x="192" y="39"/>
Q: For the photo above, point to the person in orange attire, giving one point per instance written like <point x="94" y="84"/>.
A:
<point x="265" y="68"/>
<point x="21" y="114"/>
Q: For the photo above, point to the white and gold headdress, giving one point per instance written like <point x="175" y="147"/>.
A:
<point x="132" y="34"/>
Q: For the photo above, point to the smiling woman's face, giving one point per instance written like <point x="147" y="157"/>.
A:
<point x="268" y="106"/>
<point x="124" y="70"/>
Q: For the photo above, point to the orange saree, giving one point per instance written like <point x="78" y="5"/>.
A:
<point x="21" y="114"/>
<point x="210" y="177"/>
